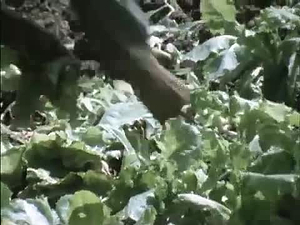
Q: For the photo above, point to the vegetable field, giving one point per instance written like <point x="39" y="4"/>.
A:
<point x="98" y="156"/>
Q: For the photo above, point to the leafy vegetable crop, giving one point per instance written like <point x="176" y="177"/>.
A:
<point x="236" y="162"/>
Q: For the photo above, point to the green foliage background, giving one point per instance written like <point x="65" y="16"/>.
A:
<point x="237" y="162"/>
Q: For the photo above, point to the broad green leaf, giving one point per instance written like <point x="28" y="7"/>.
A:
<point x="200" y="203"/>
<point x="62" y="208"/>
<point x="11" y="166"/>
<point x="277" y="111"/>
<point x="216" y="13"/>
<point x="40" y="175"/>
<point x="275" y="161"/>
<point x="213" y="45"/>
<point x="241" y="155"/>
<point x="124" y="113"/>
<point x="148" y="218"/>
<point x="239" y="105"/>
<point x="5" y="195"/>
<point x="249" y="82"/>
<point x="294" y="119"/>
<point x="29" y="212"/>
<point x="141" y="146"/>
<point x="54" y="188"/>
<point x="226" y="61"/>
<point x="86" y="208"/>
<point x="206" y="102"/>
<point x="182" y="143"/>
<point x="138" y="205"/>
<point x="10" y="77"/>
<point x="284" y="17"/>
<point x="44" y="151"/>
<point x="130" y="156"/>
<point x="119" y="115"/>
<point x="271" y="186"/>
<point x="43" y="206"/>
<point x="271" y="133"/>
<point x="8" y="56"/>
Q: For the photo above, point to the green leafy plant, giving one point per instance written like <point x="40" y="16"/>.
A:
<point x="236" y="162"/>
